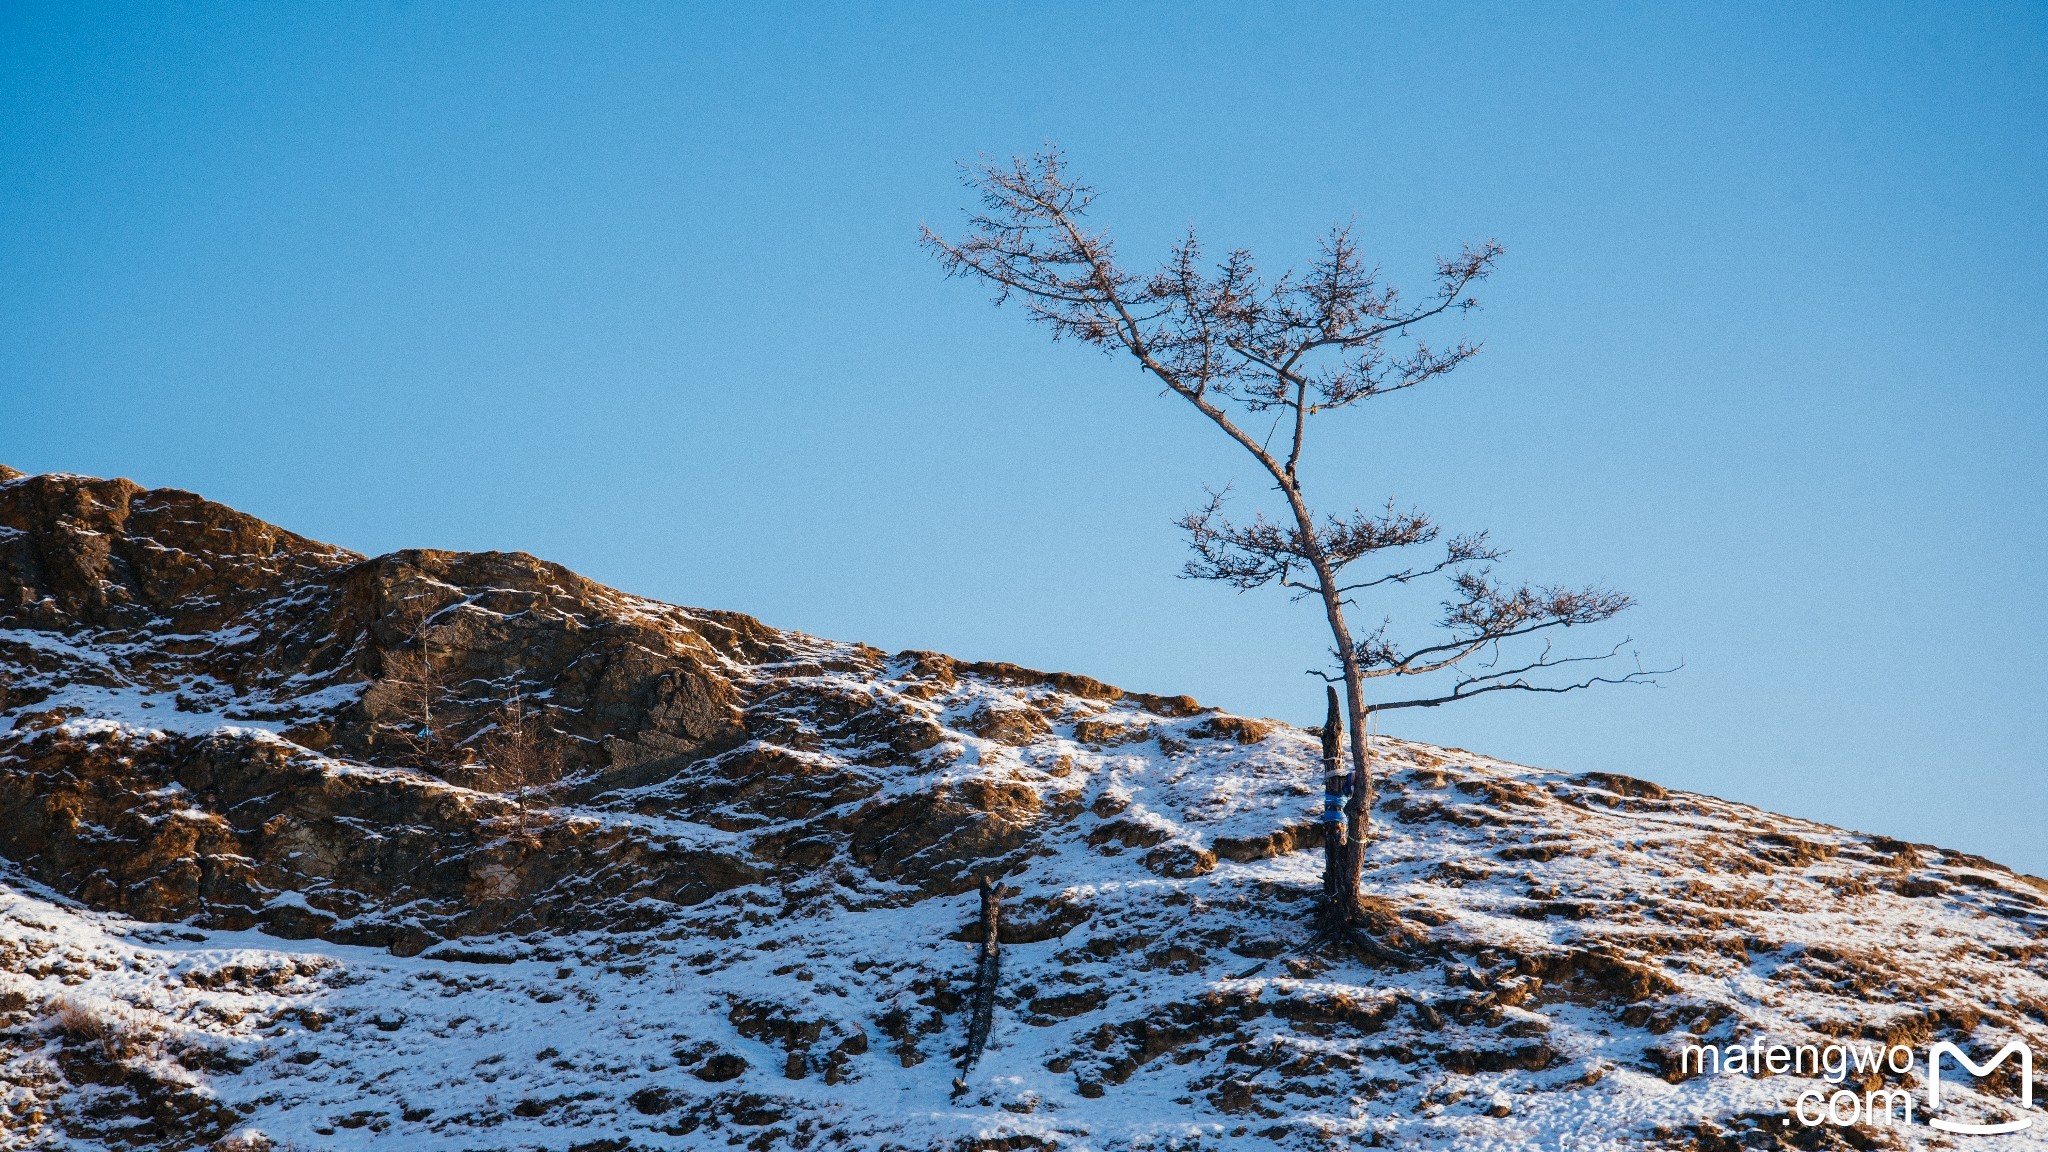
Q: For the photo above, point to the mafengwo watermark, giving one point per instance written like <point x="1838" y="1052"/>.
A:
<point x="1882" y="1105"/>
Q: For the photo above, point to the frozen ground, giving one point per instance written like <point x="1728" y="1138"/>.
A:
<point x="743" y="920"/>
<point x="1173" y="1011"/>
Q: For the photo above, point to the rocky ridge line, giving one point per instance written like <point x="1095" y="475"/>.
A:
<point x="746" y="918"/>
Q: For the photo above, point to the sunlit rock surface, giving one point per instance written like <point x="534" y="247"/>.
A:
<point x="234" y="912"/>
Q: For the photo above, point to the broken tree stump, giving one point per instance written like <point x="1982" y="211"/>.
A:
<point x="988" y="970"/>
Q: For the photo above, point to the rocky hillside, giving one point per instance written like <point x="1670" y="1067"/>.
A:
<point x="250" y="899"/>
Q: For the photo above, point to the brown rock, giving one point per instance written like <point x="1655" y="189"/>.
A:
<point x="1068" y="1004"/>
<point x="1179" y="861"/>
<point x="1238" y="728"/>
<point x="1108" y="733"/>
<point x="1014" y="725"/>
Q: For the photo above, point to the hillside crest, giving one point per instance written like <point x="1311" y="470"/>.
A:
<point x="241" y="892"/>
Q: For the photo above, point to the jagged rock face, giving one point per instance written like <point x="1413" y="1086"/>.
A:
<point x="108" y="556"/>
<point x="742" y="918"/>
<point x="234" y="831"/>
<point x="108" y="591"/>
<point x="709" y="717"/>
<point x="228" y="615"/>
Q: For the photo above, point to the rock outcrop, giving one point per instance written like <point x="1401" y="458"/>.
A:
<point x="742" y="913"/>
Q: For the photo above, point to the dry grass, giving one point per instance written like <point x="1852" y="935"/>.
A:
<point x="119" y="1034"/>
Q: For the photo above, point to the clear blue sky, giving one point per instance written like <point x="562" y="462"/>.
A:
<point x="636" y="288"/>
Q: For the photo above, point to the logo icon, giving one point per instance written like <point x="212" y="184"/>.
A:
<point x="1934" y="1054"/>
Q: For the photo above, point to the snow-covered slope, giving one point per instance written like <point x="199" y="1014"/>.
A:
<point x="225" y="918"/>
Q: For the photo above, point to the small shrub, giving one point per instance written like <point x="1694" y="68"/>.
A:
<point x="119" y="1035"/>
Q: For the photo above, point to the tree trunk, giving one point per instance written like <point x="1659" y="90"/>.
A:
<point x="1357" y="805"/>
<point x="1345" y="858"/>
<point x="1344" y="917"/>
<point x="1341" y="913"/>
<point x="1335" y="785"/>
<point x="988" y="968"/>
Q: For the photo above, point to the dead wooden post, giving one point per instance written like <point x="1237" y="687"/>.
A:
<point x="988" y="968"/>
<point x="1336" y="785"/>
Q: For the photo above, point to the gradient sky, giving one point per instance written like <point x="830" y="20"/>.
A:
<point x="636" y="288"/>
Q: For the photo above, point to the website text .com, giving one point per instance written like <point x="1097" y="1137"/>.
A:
<point x="1867" y="1064"/>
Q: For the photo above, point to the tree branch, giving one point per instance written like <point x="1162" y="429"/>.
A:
<point x="1508" y="680"/>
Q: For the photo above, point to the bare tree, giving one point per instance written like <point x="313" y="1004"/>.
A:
<point x="415" y="688"/>
<point x="518" y="759"/>
<point x="1237" y="346"/>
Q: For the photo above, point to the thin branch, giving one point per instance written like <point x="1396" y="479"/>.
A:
<point x="1479" y="685"/>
